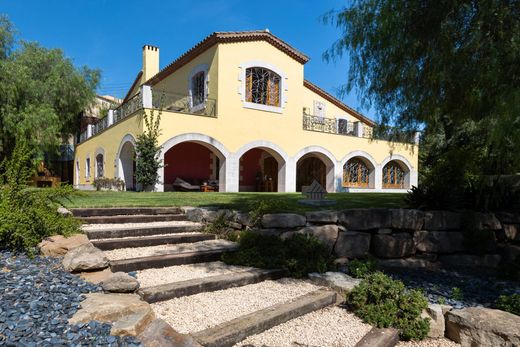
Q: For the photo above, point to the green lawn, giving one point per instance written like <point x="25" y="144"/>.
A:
<point x="239" y="201"/>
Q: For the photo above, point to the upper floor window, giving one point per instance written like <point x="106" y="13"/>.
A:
<point x="263" y="86"/>
<point x="198" y="89"/>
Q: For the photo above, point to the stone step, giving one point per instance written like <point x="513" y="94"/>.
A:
<point x="208" y="284"/>
<point x="234" y="331"/>
<point x="135" y="231"/>
<point x="120" y="211"/>
<point x="164" y="260"/>
<point x="146" y="241"/>
<point x="137" y="218"/>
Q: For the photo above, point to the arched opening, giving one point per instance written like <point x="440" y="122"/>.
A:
<point x="127" y="165"/>
<point x="193" y="166"/>
<point x="261" y="170"/>
<point x="315" y="166"/>
<point x="100" y="167"/>
<point x="358" y="172"/>
<point x="396" y="175"/>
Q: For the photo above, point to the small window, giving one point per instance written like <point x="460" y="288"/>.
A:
<point x="99" y="166"/>
<point x="198" y="89"/>
<point x="262" y="86"/>
<point x="345" y="127"/>
<point x="393" y="175"/>
<point x="356" y="174"/>
<point x="87" y="168"/>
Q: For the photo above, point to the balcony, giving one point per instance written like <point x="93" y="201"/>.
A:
<point x="151" y="99"/>
<point x="337" y="126"/>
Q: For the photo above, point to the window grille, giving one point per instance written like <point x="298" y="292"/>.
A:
<point x="393" y="175"/>
<point x="262" y="86"/>
<point x="198" y="89"/>
<point x="356" y="173"/>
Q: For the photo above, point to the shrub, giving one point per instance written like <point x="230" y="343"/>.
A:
<point x="299" y="254"/>
<point x="220" y="227"/>
<point x="509" y="303"/>
<point x="361" y="268"/>
<point x="260" y="207"/>
<point x="29" y="215"/>
<point x="384" y="302"/>
<point x="147" y="149"/>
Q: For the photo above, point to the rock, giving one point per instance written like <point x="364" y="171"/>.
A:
<point x="437" y="324"/>
<point x="120" y="282"/>
<point x="64" y="212"/>
<point x="479" y="326"/>
<point x="85" y="258"/>
<point x="96" y="276"/>
<point x="411" y="263"/>
<point x="486" y="221"/>
<point x="407" y="219"/>
<point x="328" y="234"/>
<point x="442" y="220"/>
<point x="384" y="231"/>
<point x="365" y="219"/>
<point x="206" y="214"/>
<point x="322" y="217"/>
<point x="235" y="225"/>
<point x="283" y="220"/>
<point x="131" y="312"/>
<point x="133" y="324"/>
<point x="341" y="264"/>
<point x="439" y="241"/>
<point x="470" y="260"/>
<point x="508" y="217"/>
<point x="351" y="244"/>
<point x="59" y="245"/>
<point x="511" y="253"/>
<point x="338" y="281"/>
<point x="269" y="232"/>
<point x="159" y="333"/>
<point x="400" y="245"/>
<point x="244" y="219"/>
<point x="379" y="337"/>
<point x="509" y="232"/>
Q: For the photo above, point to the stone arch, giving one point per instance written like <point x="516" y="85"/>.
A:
<point x="215" y="146"/>
<point x="99" y="153"/>
<point x="327" y="158"/>
<point x="125" y="161"/>
<point x="404" y="164"/>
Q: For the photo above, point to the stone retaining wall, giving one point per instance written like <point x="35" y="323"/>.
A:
<point x="397" y="237"/>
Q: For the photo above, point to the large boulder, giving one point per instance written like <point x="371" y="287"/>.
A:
<point x="283" y="220"/>
<point x="511" y="253"/>
<point x="128" y="312"/>
<point x="407" y="219"/>
<point x="64" y="212"/>
<point x="85" y="258"/>
<point x="120" y="282"/>
<point x="338" y="281"/>
<point x="439" y="241"/>
<point x="243" y="219"/>
<point x="479" y="326"/>
<point x="365" y="218"/>
<point x="322" y="217"/>
<point x="509" y="217"/>
<point x="509" y="232"/>
<point x="442" y="220"/>
<point x="471" y="260"/>
<point x="486" y="221"/>
<point x="351" y="244"/>
<point x="96" y="277"/>
<point x="58" y="245"/>
<point x="400" y="245"/>
<point x="159" y="333"/>
<point x="328" y="234"/>
<point x="409" y="263"/>
<point x="207" y="214"/>
<point x="437" y="323"/>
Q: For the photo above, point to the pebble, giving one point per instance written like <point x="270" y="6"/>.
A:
<point x="38" y="298"/>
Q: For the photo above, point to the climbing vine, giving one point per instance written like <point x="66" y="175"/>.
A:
<point x="147" y="150"/>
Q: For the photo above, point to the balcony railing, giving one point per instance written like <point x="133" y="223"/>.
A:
<point x="335" y="126"/>
<point x="149" y="98"/>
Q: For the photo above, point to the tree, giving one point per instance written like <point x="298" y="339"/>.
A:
<point x="42" y="93"/>
<point x="448" y="68"/>
<point x="147" y="151"/>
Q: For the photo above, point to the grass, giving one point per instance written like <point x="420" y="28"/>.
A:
<point x="236" y="201"/>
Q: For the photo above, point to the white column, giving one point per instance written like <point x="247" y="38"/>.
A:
<point x="89" y="131"/>
<point x="358" y="126"/>
<point x="232" y="175"/>
<point x="338" y="177"/>
<point x="414" y="178"/>
<point x="146" y="92"/>
<point x="417" y="137"/>
<point x="378" y="177"/>
<point x="288" y="172"/>
<point x="110" y="117"/>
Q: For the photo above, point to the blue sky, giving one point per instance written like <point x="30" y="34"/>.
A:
<point x="109" y="34"/>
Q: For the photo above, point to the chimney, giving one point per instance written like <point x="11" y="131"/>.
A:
<point x="150" y="62"/>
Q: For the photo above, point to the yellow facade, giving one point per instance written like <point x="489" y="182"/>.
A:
<point x="235" y="126"/>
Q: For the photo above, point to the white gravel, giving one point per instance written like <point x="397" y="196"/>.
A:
<point x="429" y="343"/>
<point x="126" y="253"/>
<point x="329" y="327"/>
<point x="117" y="226"/>
<point x="155" y="277"/>
<point x="194" y="313"/>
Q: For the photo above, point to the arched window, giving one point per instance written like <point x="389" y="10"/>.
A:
<point x="356" y="173"/>
<point x="100" y="170"/>
<point x="262" y="86"/>
<point x="198" y="89"/>
<point x="393" y="175"/>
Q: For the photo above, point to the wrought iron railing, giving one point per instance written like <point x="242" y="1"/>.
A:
<point x="100" y="126"/>
<point x="135" y="103"/>
<point x="182" y="103"/>
<point x="338" y="126"/>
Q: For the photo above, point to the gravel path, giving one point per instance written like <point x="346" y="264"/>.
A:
<point x="154" y="277"/>
<point x="429" y="343"/>
<point x="328" y="327"/>
<point x="149" y="236"/>
<point x="194" y="313"/>
<point x="90" y="227"/>
<point x="37" y="299"/>
<point x="126" y="253"/>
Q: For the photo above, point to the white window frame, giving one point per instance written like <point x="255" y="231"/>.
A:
<point x="87" y="168"/>
<point x="199" y="68"/>
<point x="242" y="89"/>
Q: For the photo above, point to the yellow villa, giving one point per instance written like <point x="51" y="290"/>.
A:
<point x="237" y="114"/>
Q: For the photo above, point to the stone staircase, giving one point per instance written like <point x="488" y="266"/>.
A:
<point x="137" y="239"/>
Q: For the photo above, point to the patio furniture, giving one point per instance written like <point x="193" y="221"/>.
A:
<point x="182" y="185"/>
